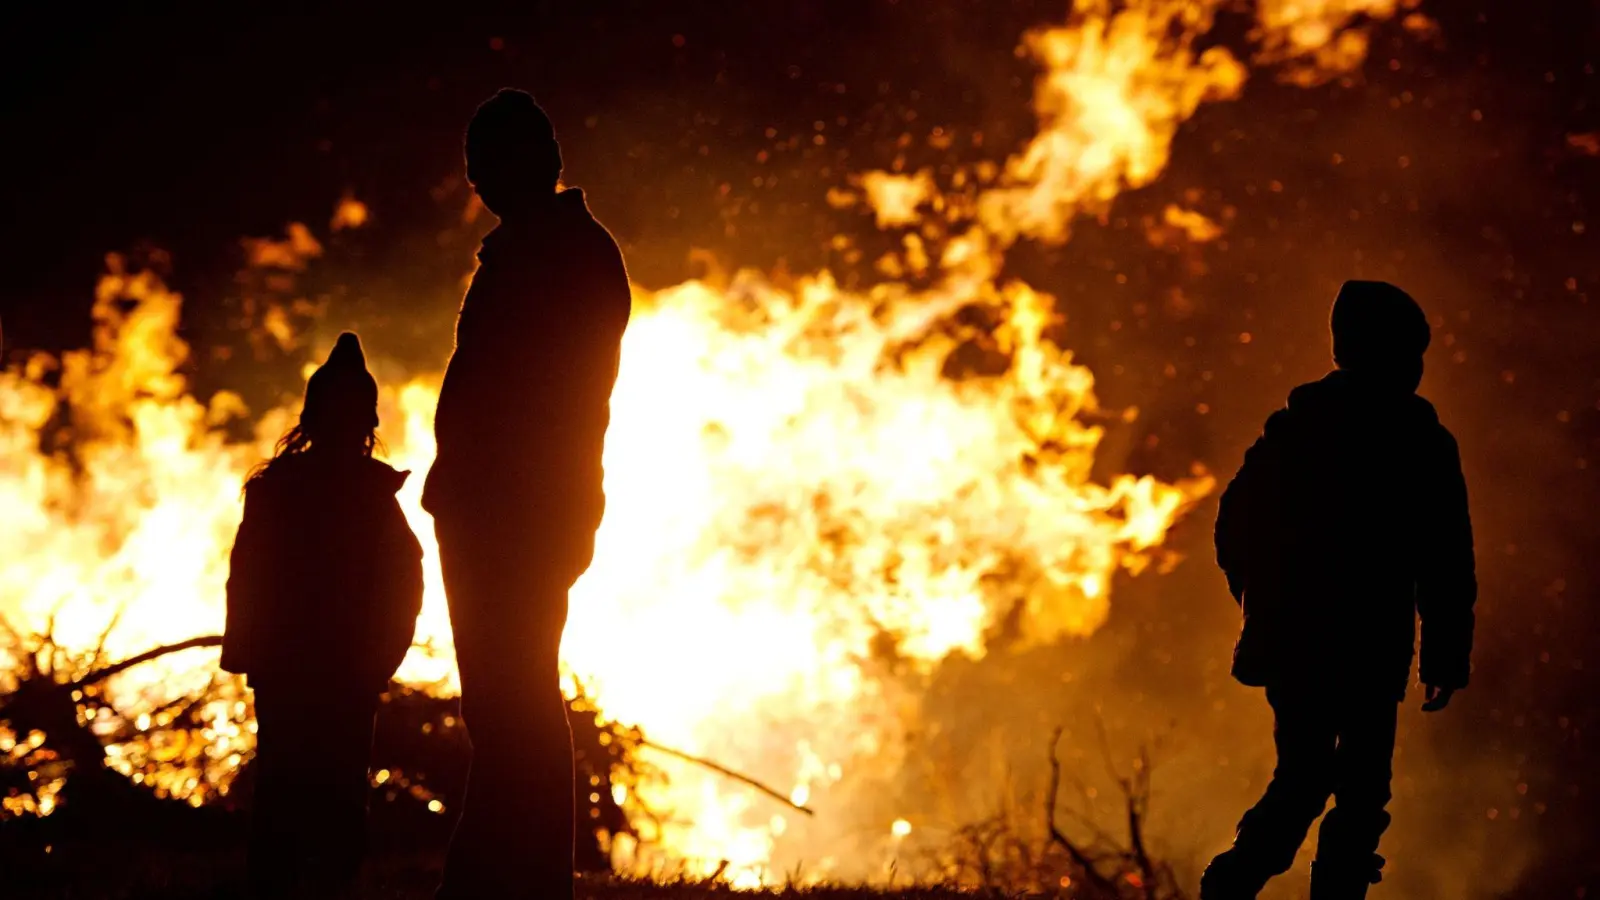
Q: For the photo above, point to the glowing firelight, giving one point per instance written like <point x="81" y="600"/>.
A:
<point x="350" y="213"/>
<point x="794" y="483"/>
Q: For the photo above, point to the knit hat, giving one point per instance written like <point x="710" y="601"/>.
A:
<point x="510" y="131"/>
<point x="1377" y="324"/>
<point x="341" y="393"/>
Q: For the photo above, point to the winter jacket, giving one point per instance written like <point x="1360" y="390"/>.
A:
<point x="1347" y="520"/>
<point x="525" y="404"/>
<point x="325" y="579"/>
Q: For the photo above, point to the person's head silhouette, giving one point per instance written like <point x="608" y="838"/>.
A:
<point x="1379" y="333"/>
<point x="513" y="161"/>
<point x="341" y="407"/>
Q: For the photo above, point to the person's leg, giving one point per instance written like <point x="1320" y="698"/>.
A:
<point x="468" y="851"/>
<point x="1347" y="849"/>
<point x="515" y="835"/>
<point x="1271" y="832"/>
<point x="339" y="782"/>
<point x="277" y="840"/>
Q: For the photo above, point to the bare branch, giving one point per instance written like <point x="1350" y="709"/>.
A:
<point x="728" y="773"/>
<point x="1141" y="858"/>
<point x="1082" y="859"/>
<point x="49" y="639"/>
<point x="105" y="635"/>
<point x="209" y="640"/>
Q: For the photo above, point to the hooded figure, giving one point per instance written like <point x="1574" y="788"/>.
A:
<point x="516" y="493"/>
<point x="1347" y="522"/>
<point x="324" y="587"/>
<point x="1349" y="517"/>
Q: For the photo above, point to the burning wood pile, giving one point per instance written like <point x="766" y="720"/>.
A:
<point x="56" y="725"/>
<point x="57" y="780"/>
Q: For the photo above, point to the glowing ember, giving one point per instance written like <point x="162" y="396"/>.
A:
<point x="350" y="213"/>
<point x="796" y="489"/>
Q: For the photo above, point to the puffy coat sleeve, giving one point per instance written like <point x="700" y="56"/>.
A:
<point x="400" y="587"/>
<point x="1447" y="584"/>
<point x="609" y="305"/>
<point x="249" y="568"/>
<point x="1240" y="509"/>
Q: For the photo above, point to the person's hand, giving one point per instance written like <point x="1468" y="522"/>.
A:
<point x="1436" y="698"/>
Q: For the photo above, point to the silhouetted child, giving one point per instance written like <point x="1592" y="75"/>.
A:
<point x="1347" y="520"/>
<point x="323" y="595"/>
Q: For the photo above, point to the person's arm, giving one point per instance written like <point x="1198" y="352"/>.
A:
<point x="590" y="315"/>
<point x="1447" y="583"/>
<point x="1229" y="536"/>
<point x="247" y="567"/>
<point x="402" y="587"/>
<point x="1238" y="511"/>
<point x="607" y="319"/>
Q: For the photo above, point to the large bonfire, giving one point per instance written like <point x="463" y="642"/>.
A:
<point x="800" y="485"/>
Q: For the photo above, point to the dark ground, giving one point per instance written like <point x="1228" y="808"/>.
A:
<point x="156" y="872"/>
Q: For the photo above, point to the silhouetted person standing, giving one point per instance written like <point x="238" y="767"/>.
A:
<point x="324" y="587"/>
<point x="1347" y="520"/>
<point x="516" y="493"/>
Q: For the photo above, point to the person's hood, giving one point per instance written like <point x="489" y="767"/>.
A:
<point x="363" y="474"/>
<point x="1342" y="394"/>
<point x="566" y="213"/>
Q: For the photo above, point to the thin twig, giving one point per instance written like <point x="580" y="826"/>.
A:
<point x="1099" y="834"/>
<point x="1135" y="793"/>
<point x="729" y="773"/>
<point x="1141" y="858"/>
<point x="1106" y="755"/>
<point x="105" y="635"/>
<point x="1085" y="864"/>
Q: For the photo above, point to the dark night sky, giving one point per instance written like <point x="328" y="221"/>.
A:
<point x="186" y="130"/>
<point x="189" y="131"/>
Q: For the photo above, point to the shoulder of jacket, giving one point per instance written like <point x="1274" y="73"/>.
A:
<point x="1280" y="422"/>
<point x="1423" y="409"/>
<point x="1427" y="419"/>
<point x="599" y="240"/>
<point x="385" y="476"/>
<point x="1445" y="440"/>
<point x="266" y="484"/>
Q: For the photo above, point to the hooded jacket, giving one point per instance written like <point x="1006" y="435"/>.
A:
<point x="325" y="578"/>
<point x="1347" y="520"/>
<point x="525" y="404"/>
